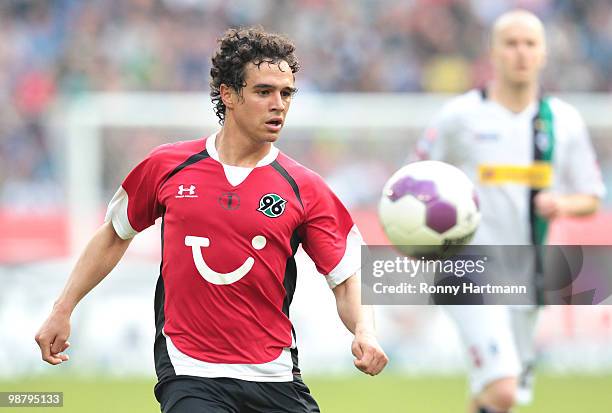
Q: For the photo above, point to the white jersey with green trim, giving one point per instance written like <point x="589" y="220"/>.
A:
<point x="495" y="148"/>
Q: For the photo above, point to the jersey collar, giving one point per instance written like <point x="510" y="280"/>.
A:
<point x="530" y="110"/>
<point x="212" y="151"/>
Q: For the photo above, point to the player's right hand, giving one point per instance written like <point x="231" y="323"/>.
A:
<point x="52" y="337"/>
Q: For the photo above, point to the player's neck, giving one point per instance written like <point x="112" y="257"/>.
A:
<point x="235" y="149"/>
<point x="512" y="97"/>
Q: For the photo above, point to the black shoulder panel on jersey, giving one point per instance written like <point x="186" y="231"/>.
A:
<point x="289" y="179"/>
<point x="190" y="161"/>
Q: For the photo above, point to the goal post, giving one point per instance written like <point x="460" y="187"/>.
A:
<point x="81" y="121"/>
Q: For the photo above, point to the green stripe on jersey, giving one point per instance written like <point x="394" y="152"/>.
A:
<point x="545" y="139"/>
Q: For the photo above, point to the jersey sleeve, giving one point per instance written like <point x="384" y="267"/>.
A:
<point x="436" y="141"/>
<point x="329" y="236"/>
<point x="582" y="175"/>
<point x="135" y="205"/>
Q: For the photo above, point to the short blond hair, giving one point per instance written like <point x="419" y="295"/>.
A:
<point x="517" y="16"/>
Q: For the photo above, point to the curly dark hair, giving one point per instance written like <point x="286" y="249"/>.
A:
<point x="237" y="48"/>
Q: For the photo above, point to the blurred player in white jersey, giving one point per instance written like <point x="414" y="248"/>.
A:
<point x="530" y="156"/>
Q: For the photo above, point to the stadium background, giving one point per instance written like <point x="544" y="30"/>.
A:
<point x="59" y="59"/>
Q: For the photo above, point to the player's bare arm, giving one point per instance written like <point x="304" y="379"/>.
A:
<point x="551" y="205"/>
<point x="98" y="258"/>
<point x="359" y="320"/>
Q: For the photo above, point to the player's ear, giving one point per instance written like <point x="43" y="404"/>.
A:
<point x="228" y="96"/>
<point x="544" y="57"/>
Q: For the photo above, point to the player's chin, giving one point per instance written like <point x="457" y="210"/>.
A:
<point x="270" y="137"/>
<point x="523" y="78"/>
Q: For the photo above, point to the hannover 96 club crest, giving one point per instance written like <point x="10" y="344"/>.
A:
<point x="272" y="205"/>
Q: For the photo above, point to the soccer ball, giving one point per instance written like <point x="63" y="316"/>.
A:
<point x="429" y="209"/>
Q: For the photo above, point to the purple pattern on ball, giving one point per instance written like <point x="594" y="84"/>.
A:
<point x="424" y="191"/>
<point x="441" y="216"/>
<point x="476" y="200"/>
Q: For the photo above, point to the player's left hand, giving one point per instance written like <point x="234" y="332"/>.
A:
<point x="548" y="205"/>
<point x="370" y="357"/>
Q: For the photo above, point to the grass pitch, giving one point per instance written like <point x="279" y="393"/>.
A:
<point x="389" y="393"/>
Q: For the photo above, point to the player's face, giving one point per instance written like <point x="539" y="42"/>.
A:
<point x="261" y="111"/>
<point x="518" y="53"/>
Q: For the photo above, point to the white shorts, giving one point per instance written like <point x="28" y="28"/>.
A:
<point x="499" y="342"/>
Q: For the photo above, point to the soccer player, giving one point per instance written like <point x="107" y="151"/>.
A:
<point x="234" y="210"/>
<point x="530" y="156"/>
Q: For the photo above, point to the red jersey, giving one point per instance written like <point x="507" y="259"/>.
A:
<point x="228" y="274"/>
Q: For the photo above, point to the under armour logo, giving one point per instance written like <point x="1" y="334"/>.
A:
<point x="190" y="192"/>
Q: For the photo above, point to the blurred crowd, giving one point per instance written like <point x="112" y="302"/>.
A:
<point x="64" y="48"/>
